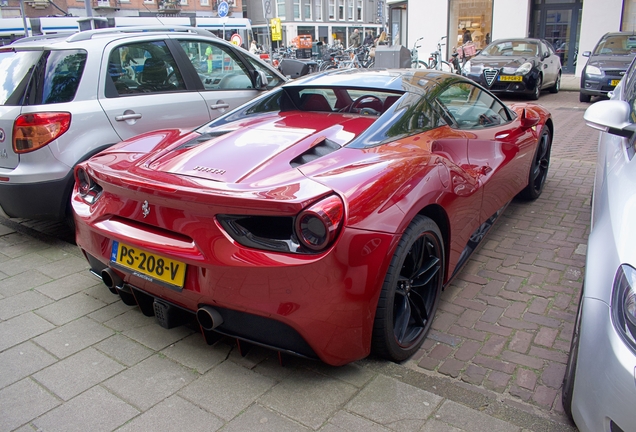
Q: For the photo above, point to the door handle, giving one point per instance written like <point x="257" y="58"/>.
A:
<point x="219" y="106"/>
<point x="125" y="117"/>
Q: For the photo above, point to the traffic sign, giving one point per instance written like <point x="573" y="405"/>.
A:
<point x="277" y="29"/>
<point x="236" y="39"/>
<point x="224" y="8"/>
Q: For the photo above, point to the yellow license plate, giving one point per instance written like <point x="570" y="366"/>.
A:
<point x="510" y="78"/>
<point x="614" y="83"/>
<point x="148" y="266"/>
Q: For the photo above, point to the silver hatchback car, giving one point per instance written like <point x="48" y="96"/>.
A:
<point x="599" y="389"/>
<point x="65" y="98"/>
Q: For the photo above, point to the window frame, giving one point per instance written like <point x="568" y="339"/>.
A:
<point x="306" y="10"/>
<point x="297" y="10"/>
<point x="39" y="84"/>
<point x="217" y="49"/>
<point x="476" y="123"/>
<point x="317" y="10"/>
<point x="171" y="59"/>
<point x="280" y="3"/>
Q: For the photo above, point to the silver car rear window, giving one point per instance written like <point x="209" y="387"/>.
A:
<point x="14" y="67"/>
<point x="40" y="77"/>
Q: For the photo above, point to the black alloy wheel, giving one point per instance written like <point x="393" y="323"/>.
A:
<point x="411" y="291"/>
<point x="557" y="84"/>
<point x="539" y="169"/>
<point x="537" y="90"/>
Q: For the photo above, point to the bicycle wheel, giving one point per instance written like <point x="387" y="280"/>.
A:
<point x="445" y="66"/>
<point x="326" y="65"/>
<point x="419" y="65"/>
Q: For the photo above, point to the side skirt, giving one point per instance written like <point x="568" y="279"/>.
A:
<point x="475" y="241"/>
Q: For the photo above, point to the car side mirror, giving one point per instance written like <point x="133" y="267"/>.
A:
<point x="611" y="116"/>
<point x="587" y="53"/>
<point x="528" y="119"/>
<point x="261" y="80"/>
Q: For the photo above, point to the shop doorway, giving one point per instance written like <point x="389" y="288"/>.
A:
<point x="559" y="24"/>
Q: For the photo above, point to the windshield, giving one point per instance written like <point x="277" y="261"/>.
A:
<point x="616" y="45"/>
<point x="14" y="66"/>
<point x="511" y="48"/>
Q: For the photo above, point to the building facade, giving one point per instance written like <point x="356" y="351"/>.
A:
<point x="326" y="20"/>
<point x="572" y="26"/>
<point x="329" y="21"/>
<point x="118" y="8"/>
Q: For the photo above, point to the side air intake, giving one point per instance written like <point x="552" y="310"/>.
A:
<point x="319" y="150"/>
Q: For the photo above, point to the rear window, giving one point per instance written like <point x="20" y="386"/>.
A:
<point x="14" y="68"/>
<point x="40" y="77"/>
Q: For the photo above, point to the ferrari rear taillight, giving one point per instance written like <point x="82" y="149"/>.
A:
<point x="318" y="225"/>
<point x="34" y="131"/>
<point x="86" y="186"/>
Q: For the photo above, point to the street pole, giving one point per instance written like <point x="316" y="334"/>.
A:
<point x="268" y="14"/>
<point x="24" y="20"/>
<point x="89" y="11"/>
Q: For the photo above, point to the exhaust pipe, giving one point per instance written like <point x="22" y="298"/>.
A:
<point x="111" y="279"/>
<point x="209" y="318"/>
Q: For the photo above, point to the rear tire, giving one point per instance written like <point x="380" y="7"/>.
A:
<point x="584" y="98"/>
<point x="410" y="293"/>
<point x="537" y="90"/>
<point x="557" y="85"/>
<point x="539" y="169"/>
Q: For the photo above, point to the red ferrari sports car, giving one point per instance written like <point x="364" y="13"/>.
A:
<point x="322" y="219"/>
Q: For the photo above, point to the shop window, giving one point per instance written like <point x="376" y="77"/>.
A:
<point x="470" y="20"/>
<point x="629" y="16"/>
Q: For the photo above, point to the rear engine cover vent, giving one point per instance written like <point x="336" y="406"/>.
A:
<point x="201" y="139"/>
<point x="319" y="150"/>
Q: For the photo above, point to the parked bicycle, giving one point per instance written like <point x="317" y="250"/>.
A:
<point x="435" y="61"/>
<point x="464" y="52"/>
<point x="348" y="58"/>
<point x="416" y="63"/>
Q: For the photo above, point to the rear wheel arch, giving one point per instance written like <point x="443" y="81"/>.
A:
<point x="438" y="215"/>
<point x="550" y="125"/>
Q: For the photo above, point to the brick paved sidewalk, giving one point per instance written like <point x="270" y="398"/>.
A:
<point x="506" y="323"/>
